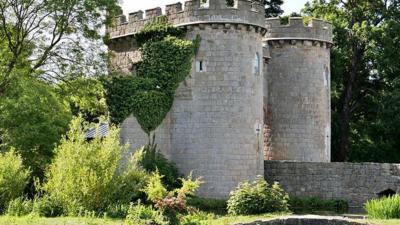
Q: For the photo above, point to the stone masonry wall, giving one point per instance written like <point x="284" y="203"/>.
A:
<point x="298" y="111"/>
<point x="298" y="107"/>
<point x="212" y="126"/>
<point x="354" y="182"/>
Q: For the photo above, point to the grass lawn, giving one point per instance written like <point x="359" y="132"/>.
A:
<point x="28" y="220"/>
<point x="223" y="220"/>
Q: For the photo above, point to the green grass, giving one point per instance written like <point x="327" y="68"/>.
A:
<point x="29" y="220"/>
<point x="229" y="220"/>
<point x="221" y="220"/>
<point x="384" y="208"/>
<point x="381" y="222"/>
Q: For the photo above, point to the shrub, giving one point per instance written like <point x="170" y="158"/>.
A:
<point x="171" y="203"/>
<point x="196" y="218"/>
<point x="87" y="176"/>
<point x="384" y="208"/>
<point x="151" y="159"/>
<point x="13" y="178"/>
<point x="47" y="206"/>
<point x="309" y="205"/>
<point x="217" y="206"/>
<point x="117" y="211"/>
<point x="144" y="215"/>
<point x="19" y="207"/>
<point x="256" y="198"/>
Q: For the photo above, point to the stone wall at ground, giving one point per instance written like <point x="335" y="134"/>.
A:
<point x="354" y="182"/>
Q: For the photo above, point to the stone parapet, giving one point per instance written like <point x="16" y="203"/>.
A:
<point x="354" y="182"/>
<point x="250" y="12"/>
<point x="316" y="30"/>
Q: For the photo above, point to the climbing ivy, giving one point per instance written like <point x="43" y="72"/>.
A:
<point x="149" y="93"/>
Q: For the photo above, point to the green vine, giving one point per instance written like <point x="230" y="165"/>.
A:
<point x="149" y="93"/>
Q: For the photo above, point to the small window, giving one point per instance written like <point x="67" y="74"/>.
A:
<point x="200" y="66"/>
<point x="204" y="3"/>
<point x="257" y="65"/>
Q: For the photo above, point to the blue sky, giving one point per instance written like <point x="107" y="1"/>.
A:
<point x="135" y="5"/>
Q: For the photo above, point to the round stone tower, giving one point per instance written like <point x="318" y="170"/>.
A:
<point x="298" y="77"/>
<point x="215" y="125"/>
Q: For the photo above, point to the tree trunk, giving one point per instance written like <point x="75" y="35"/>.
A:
<point x="346" y="113"/>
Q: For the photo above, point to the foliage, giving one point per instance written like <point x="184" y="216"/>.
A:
<point x="217" y="206"/>
<point x="47" y="206"/>
<point x="384" y="208"/>
<point x="148" y="95"/>
<point x="157" y="31"/>
<point x="142" y="215"/>
<point x="365" y="75"/>
<point x="257" y="197"/>
<point x="151" y="159"/>
<point x="117" y="211"/>
<point x="171" y="203"/>
<point x="273" y="7"/>
<point x="86" y="176"/>
<point x="13" y="178"/>
<point x="19" y="207"/>
<point x="85" y="96"/>
<point x="154" y="189"/>
<point x="301" y="205"/>
<point x="196" y="218"/>
<point x="32" y="120"/>
<point x="54" y="30"/>
<point x="120" y="94"/>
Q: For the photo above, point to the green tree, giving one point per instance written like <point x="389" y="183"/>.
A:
<point x="273" y="8"/>
<point x="365" y="72"/>
<point x="60" y="33"/>
<point x="32" y="120"/>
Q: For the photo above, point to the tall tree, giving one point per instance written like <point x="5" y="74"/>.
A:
<point x="54" y="30"/>
<point x="273" y="8"/>
<point x="364" y="67"/>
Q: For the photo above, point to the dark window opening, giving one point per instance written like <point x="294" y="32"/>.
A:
<point x="386" y="193"/>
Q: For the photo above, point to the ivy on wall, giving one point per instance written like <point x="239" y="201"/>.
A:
<point x="149" y="93"/>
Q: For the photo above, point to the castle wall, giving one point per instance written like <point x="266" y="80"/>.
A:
<point x="213" y="129"/>
<point x="354" y="182"/>
<point x="298" y="77"/>
<point x="212" y="126"/>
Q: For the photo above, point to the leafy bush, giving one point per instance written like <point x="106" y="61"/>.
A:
<point x="117" y="211"/>
<point x="171" y="203"/>
<point x="13" y="178"/>
<point x="151" y="159"/>
<point x="87" y="176"/>
<point x="384" y="208"/>
<point x="19" y="207"/>
<point x="309" y="205"/>
<point x="47" y="206"/>
<point x="196" y="218"/>
<point x="217" y="206"/>
<point x="257" y="197"/>
<point x="144" y="215"/>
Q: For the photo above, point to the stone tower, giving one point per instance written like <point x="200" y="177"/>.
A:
<point x="298" y="91"/>
<point x="215" y="125"/>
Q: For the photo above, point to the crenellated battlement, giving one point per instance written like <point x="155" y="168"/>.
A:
<point x="247" y="12"/>
<point x="317" y="30"/>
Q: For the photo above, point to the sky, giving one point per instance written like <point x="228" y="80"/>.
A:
<point x="134" y="5"/>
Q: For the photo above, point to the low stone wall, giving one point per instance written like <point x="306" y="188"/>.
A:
<point x="305" y="220"/>
<point x="354" y="182"/>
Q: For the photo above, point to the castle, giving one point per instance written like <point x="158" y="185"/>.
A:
<point x="257" y="98"/>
